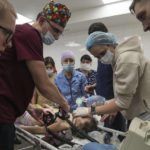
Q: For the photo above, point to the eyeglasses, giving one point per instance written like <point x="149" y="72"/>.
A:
<point x="55" y="29"/>
<point x="7" y="32"/>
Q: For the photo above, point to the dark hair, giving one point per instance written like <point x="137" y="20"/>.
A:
<point x="98" y="26"/>
<point x="86" y="57"/>
<point x="88" y="127"/>
<point x="133" y="5"/>
<point x="38" y="16"/>
<point x="49" y="60"/>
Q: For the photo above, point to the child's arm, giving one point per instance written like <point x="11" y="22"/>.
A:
<point x="34" y="129"/>
<point x="58" y="126"/>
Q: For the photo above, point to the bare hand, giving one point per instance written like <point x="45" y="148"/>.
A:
<point x="111" y="116"/>
<point x="37" y="114"/>
<point x="89" y="88"/>
<point x="65" y="106"/>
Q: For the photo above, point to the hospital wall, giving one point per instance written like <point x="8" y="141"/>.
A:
<point x="78" y="38"/>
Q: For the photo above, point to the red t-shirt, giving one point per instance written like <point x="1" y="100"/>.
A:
<point x="16" y="83"/>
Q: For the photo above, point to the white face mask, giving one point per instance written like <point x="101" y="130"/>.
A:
<point x="107" y="58"/>
<point x="48" y="38"/>
<point x="85" y="66"/>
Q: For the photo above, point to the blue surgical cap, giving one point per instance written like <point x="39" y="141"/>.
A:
<point x="100" y="38"/>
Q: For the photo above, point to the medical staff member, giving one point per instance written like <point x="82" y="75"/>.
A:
<point x="104" y="87"/>
<point x="85" y="68"/>
<point x="130" y="76"/>
<point x="8" y="17"/>
<point x="104" y="77"/>
<point x="69" y="81"/>
<point x="22" y="67"/>
<point x="141" y="9"/>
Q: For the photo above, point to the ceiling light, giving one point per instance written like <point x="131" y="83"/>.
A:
<point x="22" y="19"/>
<point x="72" y="44"/>
<point x="110" y="1"/>
<point x="82" y="49"/>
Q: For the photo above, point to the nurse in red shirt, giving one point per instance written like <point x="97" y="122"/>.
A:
<point x="22" y="68"/>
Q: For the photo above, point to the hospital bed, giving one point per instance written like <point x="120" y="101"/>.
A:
<point x="34" y="142"/>
<point x="138" y="137"/>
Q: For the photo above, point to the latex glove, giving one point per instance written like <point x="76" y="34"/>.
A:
<point x="95" y="99"/>
<point x="81" y="111"/>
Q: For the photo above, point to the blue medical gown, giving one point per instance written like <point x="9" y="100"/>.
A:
<point x="73" y="88"/>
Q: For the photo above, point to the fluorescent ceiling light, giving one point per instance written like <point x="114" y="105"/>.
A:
<point x="22" y="19"/>
<point x="110" y="1"/>
<point x="82" y="49"/>
<point x="72" y="44"/>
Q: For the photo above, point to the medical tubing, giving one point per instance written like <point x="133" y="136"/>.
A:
<point x="81" y="132"/>
<point x="64" y="140"/>
<point x="52" y="120"/>
<point x="64" y="116"/>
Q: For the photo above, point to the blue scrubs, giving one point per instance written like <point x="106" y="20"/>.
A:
<point x="104" y="81"/>
<point x="104" y="87"/>
<point x="73" y="88"/>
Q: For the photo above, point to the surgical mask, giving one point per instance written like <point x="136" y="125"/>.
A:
<point x="68" y="67"/>
<point x="48" y="38"/>
<point x="49" y="72"/>
<point x="85" y="66"/>
<point x="107" y="58"/>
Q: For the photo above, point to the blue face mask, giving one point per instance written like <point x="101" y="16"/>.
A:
<point x="68" y="67"/>
<point x="48" y="38"/>
<point x="49" y="72"/>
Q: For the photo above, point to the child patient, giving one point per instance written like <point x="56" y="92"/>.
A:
<point x="26" y="122"/>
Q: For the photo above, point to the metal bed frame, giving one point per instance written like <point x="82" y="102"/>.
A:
<point x="35" y="142"/>
<point x="38" y="144"/>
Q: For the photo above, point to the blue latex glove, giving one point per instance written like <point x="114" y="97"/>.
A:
<point x="98" y="100"/>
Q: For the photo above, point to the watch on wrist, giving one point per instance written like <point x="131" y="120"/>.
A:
<point x="93" y="110"/>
